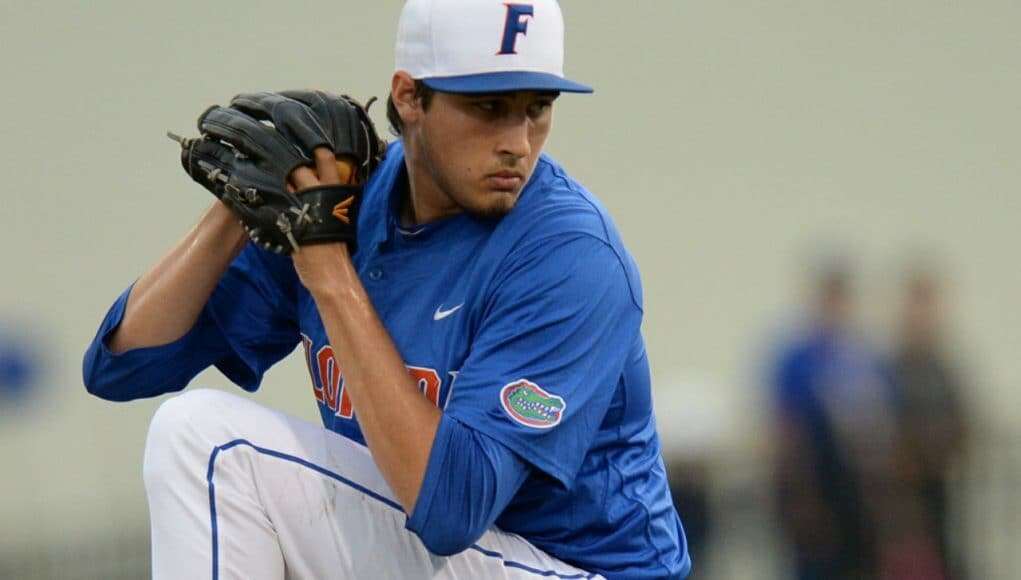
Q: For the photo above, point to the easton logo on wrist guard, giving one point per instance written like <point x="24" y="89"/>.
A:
<point x="531" y="406"/>
<point x="340" y="211"/>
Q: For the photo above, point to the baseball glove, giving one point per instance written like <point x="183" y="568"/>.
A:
<point x="248" y="150"/>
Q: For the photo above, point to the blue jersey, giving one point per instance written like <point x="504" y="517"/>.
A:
<point x="523" y="328"/>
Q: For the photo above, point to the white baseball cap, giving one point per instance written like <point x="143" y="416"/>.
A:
<point x="484" y="46"/>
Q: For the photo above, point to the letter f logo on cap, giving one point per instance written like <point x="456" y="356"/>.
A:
<point x="459" y="46"/>
<point x="516" y="23"/>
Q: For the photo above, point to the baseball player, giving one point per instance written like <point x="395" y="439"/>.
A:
<point x="473" y="343"/>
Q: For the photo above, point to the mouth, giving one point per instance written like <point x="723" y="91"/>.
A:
<point x="505" y="180"/>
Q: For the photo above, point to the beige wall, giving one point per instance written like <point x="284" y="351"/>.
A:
<point x="724" y="137"/>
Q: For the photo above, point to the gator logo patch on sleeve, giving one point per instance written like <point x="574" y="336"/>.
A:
<point x="531" y="406"/>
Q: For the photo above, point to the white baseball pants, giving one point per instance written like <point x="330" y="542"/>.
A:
<point x="240" y="491"/>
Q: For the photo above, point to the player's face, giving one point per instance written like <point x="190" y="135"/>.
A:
<point x="475" y="153"/>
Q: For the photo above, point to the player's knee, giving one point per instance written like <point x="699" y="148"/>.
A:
<point x="192" y="410"/>
<point x="180" y="433"/>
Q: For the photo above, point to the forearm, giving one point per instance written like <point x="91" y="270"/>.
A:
<point x="166" y="301"/>
<point x="399" y="424"/>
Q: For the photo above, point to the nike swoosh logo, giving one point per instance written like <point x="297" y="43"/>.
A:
<point x="440" y="314"/>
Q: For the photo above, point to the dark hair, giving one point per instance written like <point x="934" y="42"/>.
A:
<point x="421" y="92"/>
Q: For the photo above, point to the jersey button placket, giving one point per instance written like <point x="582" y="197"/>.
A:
<point x="375" y="274"/>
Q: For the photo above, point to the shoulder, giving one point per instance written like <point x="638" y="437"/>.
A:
<point x="554" y="203"/>
<point x="557" y="218"/>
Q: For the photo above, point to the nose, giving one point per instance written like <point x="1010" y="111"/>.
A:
<point x="514" y="140"/>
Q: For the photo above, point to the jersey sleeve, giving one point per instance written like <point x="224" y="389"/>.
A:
<point x="248" y="324"/>
<point x="550" y="350"/>
<point x="255" y="309"/>
<point x="450" y="516"/>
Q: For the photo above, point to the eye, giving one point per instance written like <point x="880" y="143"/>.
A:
<point x="487" y="106"/>
<point x="538" y="108"/>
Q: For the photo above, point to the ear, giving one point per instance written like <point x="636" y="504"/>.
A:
<point x="402" y="91"/>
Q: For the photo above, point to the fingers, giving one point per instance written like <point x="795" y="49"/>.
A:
<point x="347" y="166"/>
<point x="328" y="171"/>
<point x="209" y="163"/>
<point x="259" y="105"/>
<point x="294" y="119"/>
<point x="248" y="135"/>
<point x="303" y="178"/>
<point x="301" y="138"/>
<point x="326" y="166"/>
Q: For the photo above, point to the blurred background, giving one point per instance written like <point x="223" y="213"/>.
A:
<point x="822" y="198"/>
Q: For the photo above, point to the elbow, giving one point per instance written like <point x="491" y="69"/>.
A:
<point x="446" y="541"/>
<point x="104" y="392"/>
<point x="93" y="378"/>
<point x="447" y="517"/>
<point x="98" y="385"/>
<point x="450" y="533"/>
<point x="447" y="531"/>
<point x="102" y="381"/>
<point x="116" y="389"/>
<point x="92" y="387"/>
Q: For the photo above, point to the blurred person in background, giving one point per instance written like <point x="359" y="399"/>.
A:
<point x="834" y="430"/>
<point x="932" y="433"/>
<point x="695" y="424"/>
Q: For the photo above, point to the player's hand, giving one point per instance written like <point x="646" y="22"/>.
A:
<point x="328" y="171"/>
<point x="257" y="153"/>
<point x="316" y="262"/>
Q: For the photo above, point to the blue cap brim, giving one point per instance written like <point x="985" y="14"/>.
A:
<point x="503" y="82"/>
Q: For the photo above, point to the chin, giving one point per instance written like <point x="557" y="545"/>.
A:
<point x="494" y="211"/>
<point x="493" y="204"/>
<point x="502" y="205"/>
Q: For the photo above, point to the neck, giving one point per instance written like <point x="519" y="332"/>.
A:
<point x="425" y="200"/>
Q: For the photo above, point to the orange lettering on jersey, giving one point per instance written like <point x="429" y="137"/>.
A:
<point x="332" y="394"/>
<point x="329" y="388"/>
<point x="306" y="342"/>
<point x="346" y="410"/>
<point x="428" y="382"/>
<point x="329" y="375"/>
